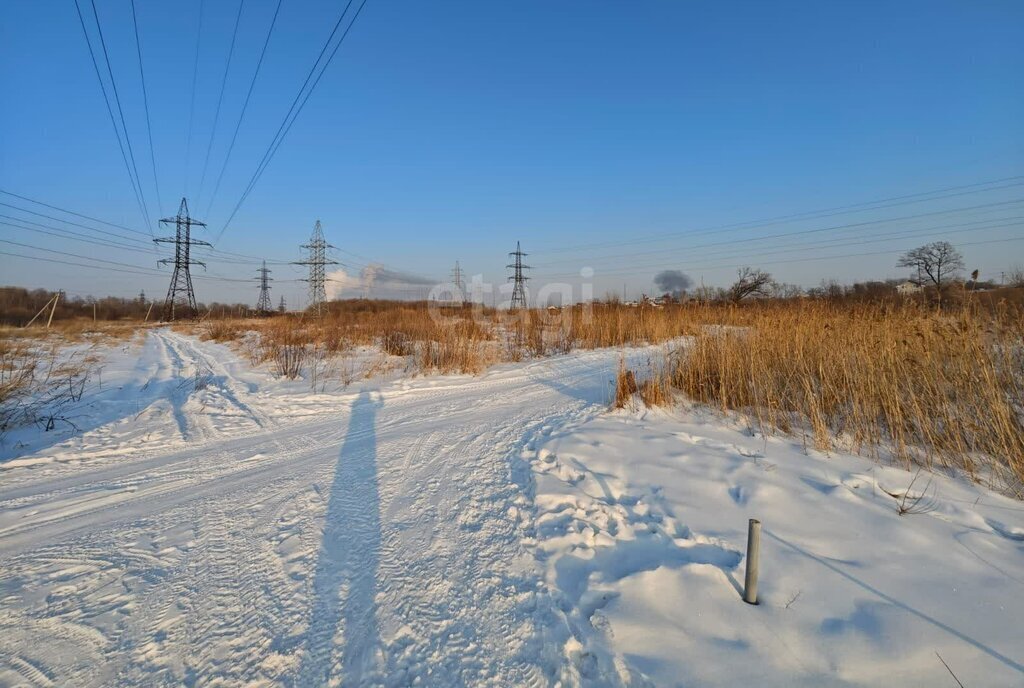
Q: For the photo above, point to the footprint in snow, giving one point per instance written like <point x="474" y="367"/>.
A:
<point x="1006" y="531"/>
<point x="738" y="494"/>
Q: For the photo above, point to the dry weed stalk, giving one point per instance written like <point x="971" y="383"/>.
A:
<point x="924" y="388"/>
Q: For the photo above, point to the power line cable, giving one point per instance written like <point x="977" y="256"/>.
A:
<point x="145" y="102"/>
<point x="279" y="136"/>
<point x="67" y="234"/>
<point x="851" y="225"/>
<point x="70" y="212"/>
<point x="120" y="111"/>
<point x="819" y="247"/>
<point x="804" y="260"/>
<point x="145" y="272"/>
<point x="220" y="101"/>
<point x="892" y="201"/>
<point x="80" y="265"/>
<point x="101" y="231"/>
<point x="213" y="252"/>
<point x="192" y="103"/>
<point x="153" y="272"/>
<point x="72" y="255"/>
<point x="58" y="219"/>
<point x="870" y="253"/>
<point x="829" y="243"/>
<point x="880" y="236"/>
<point x="113" y="121"/>
<point x="245" y="105"/>
<point x="310" y="91"/>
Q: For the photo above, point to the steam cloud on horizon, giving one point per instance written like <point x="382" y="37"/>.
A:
<point x="374" y="276"/>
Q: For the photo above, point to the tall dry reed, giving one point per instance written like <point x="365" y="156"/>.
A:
<point x="923" y="387"/>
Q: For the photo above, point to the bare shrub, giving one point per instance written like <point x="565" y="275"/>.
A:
<point x="396" y="344"/>
<point x="625" y="386"/>
<point x="656" y="388"/>
<point x="39" y="381"/>
<point x="222" y="330"/>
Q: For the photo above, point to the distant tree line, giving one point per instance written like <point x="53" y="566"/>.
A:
<point x="18" y="305"/>
<point x="936" y="276"/>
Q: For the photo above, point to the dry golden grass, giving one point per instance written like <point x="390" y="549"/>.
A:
<point x="905" y="381"/>
<point x="898" y="380"/>
<point x="625" y="386"/>
<point x="77" y="330"/>
<point x="38" y="379"/>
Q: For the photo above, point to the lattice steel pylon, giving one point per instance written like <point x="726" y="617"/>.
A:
<point x="519" y="288"/>
<point x="181" y="299"/>
<point x="317" y="248"/>
<point x="263" y="303"/>
<point x="459" y="297"/>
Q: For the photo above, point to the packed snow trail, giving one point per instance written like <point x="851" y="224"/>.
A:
<point x="211" y="525"/>
<point x="377" y="538"/>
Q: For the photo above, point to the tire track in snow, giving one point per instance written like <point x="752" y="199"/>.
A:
<point x="239" y="532"/>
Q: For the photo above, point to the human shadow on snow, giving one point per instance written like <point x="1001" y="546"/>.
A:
<point x="345" y="582"/>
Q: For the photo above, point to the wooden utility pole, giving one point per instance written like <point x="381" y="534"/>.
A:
<point x="54" y="309"/>
<point x="41" y="311"/>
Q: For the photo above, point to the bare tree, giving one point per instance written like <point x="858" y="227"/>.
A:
<point x="939" y="261"/>
<point x="750" y="282"/>
<point x="1015" y="276"/>
<point x="782" y="290"/>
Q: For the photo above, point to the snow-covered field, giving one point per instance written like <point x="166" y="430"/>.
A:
<point x="502" y="530"/>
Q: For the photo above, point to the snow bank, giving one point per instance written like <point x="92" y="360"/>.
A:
<point x="641" y="525"/>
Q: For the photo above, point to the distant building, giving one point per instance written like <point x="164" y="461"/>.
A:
<point x="907" y="288"/>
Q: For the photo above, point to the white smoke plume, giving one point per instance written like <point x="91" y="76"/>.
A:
<point x="374" y="277"/>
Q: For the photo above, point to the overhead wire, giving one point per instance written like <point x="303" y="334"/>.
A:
<point x="67" y="234"/>
<point x="148" y="271"/>
<point x="120" y="111"/>
<point x="192" y="101"/>
<point x="58" y="219"/>
<point x="850" y="225"/>
<point x="145" y="103"/>
<point x="71" y="212"/>
<point x="245" y="106"/>
<point x="799" y="260"/>
<point x="700" y="259"/>
<point x="310" y="91"/>
<point x="117" y="134"/>
<point x="102" y="231"/>
<point x="220" y="101"/>
<point x="941" y="230"/>
<point x="289" y="118"/>
<point x="863" y="206"/>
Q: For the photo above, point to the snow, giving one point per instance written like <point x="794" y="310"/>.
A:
<point x="645" y="516"/>
<point x="498" y="530"/>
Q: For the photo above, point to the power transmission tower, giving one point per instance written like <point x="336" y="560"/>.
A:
<point x="316" y="261"/>
<point x="519" y="288"/>
<point x="181" y="299"/>
<point x="282" y="307"/>
<point x="460" y="291"/>
<point x="263" y="304"/>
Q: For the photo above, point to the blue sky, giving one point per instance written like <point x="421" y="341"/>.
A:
<point x="603" y="134"/>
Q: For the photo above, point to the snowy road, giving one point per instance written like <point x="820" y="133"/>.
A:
<point x="208" y="525"/>
<point x="370" y="537"/>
